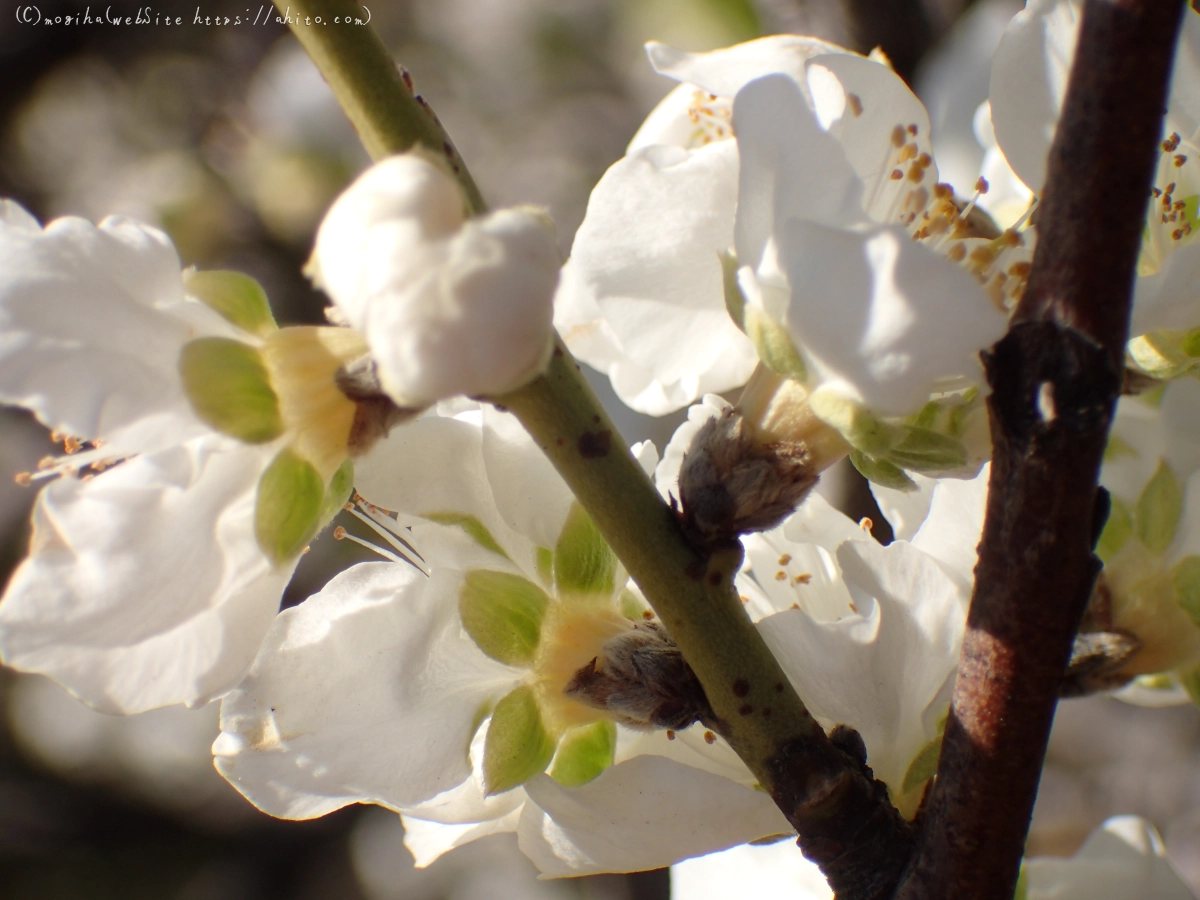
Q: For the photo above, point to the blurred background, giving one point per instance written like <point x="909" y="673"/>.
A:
<point x="226" y="137"/>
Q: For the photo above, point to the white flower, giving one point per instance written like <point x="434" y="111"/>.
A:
<point x="833" y="182"/>
<point x="219" y="443"/>
<point x="1029" y="79"/>
<point x="1151" y="542"/>
<point x="869" y="635"/>
<point x="449" y="305"/>
<point x="375" y="689"/>
<point x="1124" y="859"/>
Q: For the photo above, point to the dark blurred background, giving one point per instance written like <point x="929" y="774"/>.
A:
<point x="226" y="137"/>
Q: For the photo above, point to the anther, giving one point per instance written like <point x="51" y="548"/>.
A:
<point x="898" y="137"/>
<point x="855" y="104"/>
<point x="981" y="185"/>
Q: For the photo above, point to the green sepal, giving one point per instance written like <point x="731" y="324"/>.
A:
<point x="632" y="606"/>
<point x="1117" y="531"/>
<point x="338" y="491"/>
<point x="1190" y="681"/>
<point x="239" y="299"/>
<point x="476" y="530"/>
<point x="583" y="753"/>
<point x="1158" y="509"/>
<point x="544" y="562"/>
<point x="1022" y="890"/>
<point x="287" y="510"/>
<point x="881" y="472"/>
<point x="928" y="452"/>
<point x="229" y="388"/>
<point x="1166" y="355"/>
<point x="855" y="423"/>
<point x="583" y="562"/>
<point x="1117" y="448"/>
<point x="735" y="300"/>
<point x="774" y="345"/>
<point x="517" y="746"/>
<point x="1185" y="580"/>
<point x="503" y="615"/>
<point x="924" y="764"/>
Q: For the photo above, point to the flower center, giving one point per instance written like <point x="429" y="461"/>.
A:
<point x="712" y="117"/>
<point x="1171" y="221"/>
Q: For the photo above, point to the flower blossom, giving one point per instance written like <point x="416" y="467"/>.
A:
<point x="813" y="165"/>
<point x="448" y="305"/>
<point x="1029" y="79"/>
<point x="217" y="443"/>
<point x="214" y="441"/>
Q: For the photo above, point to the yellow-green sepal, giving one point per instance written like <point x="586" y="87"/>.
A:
<point x="881" y="472"/>
<point x="583" y="753"/>
<point x="503" y="614"/>
<point x="288" y="506"/>
<point x="518" y="745"/>
<point x="1158" y="509"/>
<point x="584" y="565"/>
<point x="774" y="345"/>
<point x="1118" y="529"/>
<point x="862" y="430"/>
<point x="926" y="451"/>
<point x="230" y="390"/>
<point x="238" y="298"/>
<point x="338" y="491"/>
<point x="1185" y="581"/>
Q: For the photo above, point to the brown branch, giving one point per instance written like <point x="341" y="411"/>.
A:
<point x="1055" y="378"/>
<point x="902" y="28"/>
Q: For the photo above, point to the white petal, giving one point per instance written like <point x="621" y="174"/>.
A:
<point x="906" y="318"/>
<point x="669" y="123"/>
<point x="367" y="692"/>
<point x="1029" y="80"/>
<point x="435" y="467"/>
<point x="885" y="671"/>
<point x="1168" y="299"/>
<point x="726" y="71"/>
<point x="641" y="814"/>
<point x="448" y="307"/>
<point x="646" y="257"/>
<point x="905" y="510"/>
<point x="404" y="193"/>
<point x="777" y="871"/>
<point x="866" y="137"/>
<point x="790" y="166"/>
<point x="528" y="491"/>
<point x="145" y="585"/>
<point x="91" y="328"/>
<point x="951" y="531"/>
<point x="1124" y="859"/>
<point x="426" y="841"/>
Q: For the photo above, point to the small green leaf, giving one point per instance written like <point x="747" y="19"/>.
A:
<point x="774" y="345"/>
<point x="924" y="764"/>
<point x="517" y="745"/>
<point x="1185" y="579"/>
<point x="475" y="529"/>
<point x="338" y="491"/>
<point x="584" y="753"/>
<point x="1158" y="509"/>
<point x="583" y="562"/>
<point x="881" y="472"/>
<point x="855" y="423"/>
<point x="545" y="565"/>
<point x="287" y="511"/>
<point x="928" y="452"/>
<point x="1117" y="531"/>
<point x="237" y="297"/>
<point x="503" y="615"/>
<point x="229" y="389"/>
<point x="735" y="300"/>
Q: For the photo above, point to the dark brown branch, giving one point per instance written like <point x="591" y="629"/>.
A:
<point x="902" y="28"/>
<point x="1055" y="378"/>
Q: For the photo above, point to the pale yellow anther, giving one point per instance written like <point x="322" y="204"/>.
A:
<point x="898" y="136"/>
<point x="957" y="253"/>
<point x="907" y="152"/>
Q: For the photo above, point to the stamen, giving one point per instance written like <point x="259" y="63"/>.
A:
<point x="341" y="534"/>
<point x="385" y="526"/>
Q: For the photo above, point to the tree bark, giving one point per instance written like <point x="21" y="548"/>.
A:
<point x="1055" y="378"/>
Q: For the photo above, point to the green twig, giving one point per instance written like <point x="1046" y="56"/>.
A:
<point x="373" y="91"/>
<point x="842" y="815"/>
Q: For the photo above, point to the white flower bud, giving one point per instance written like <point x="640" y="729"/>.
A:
<point x="449" y="305"/>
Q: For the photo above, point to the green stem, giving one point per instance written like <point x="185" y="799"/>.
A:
<point x="370" y="87"/>
<point x="843" y="817"/>
<point x="691" y="593"/>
